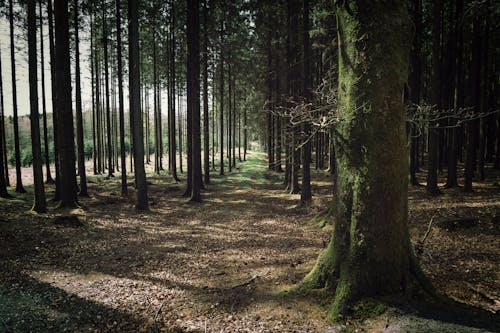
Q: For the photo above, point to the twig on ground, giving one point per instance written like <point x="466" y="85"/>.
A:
<point x="155" y="326"/>
<point x="420" y="245"/>
<point x="247" y="282"/>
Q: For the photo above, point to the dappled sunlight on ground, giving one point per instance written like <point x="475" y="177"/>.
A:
<point x="226" y="264"/>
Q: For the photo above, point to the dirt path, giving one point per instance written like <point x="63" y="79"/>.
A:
<point x="221" y="266"/>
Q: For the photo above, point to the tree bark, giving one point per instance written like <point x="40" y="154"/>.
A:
<point x="206" y="148"/>
<point x="193" y="93"/>
<point x="221" y="99"/>
<point x="106" y="80"/>
<point x="39" y="204"/>
<point x="305" y="194"/>
<point x="48" y="175"/>
<point x="4" y="166"/>
<point x="123" y="163"/>
<point x="78" y="102"/>
<point x="135" y="105"/>
<point x="370" y="252"/>
<point x="63" y="109"/>
<point x="17" y="150"/>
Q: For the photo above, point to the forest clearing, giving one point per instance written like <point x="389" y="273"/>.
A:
<point x="225" y="265"/>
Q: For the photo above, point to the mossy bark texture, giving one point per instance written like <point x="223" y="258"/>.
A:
<point x="370" y="254"/>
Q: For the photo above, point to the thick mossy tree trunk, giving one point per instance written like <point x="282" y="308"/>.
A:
<point x="370" y="252"/>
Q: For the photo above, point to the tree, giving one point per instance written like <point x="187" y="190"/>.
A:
<point x="49" y="179"/>
<point x="3" y="160"/>
<point x="221" y="97"/>
<point x="55" y="120"/>
<point x="63" y="107"/>
<point x="370" y="252"/>
<point x="135" y="105"/>
<point x="106" y="80"/>
<point x="193" y="93"/>
<point x="305" y="194"/>
<point x="5" y="170"/>
<point x="432" y="167"/>
<point x="206" y="150"/>
<point x="78" y="102"/>
<point x="17" y="151"/>
<point x="39" y="205"/>
<point x="120" y="99"/>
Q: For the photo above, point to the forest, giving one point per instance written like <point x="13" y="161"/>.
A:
<point x="249" y="166"/>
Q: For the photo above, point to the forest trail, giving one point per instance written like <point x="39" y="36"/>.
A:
<point x="225" y="265"/>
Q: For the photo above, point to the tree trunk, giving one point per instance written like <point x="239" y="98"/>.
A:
<point x="293" y="13"/>
<point x="432" y="166"/>
<point x="106" y="80"/>
<point x="63" y="109"/>
<point x="135" y="105"/>
<point x="172" y="140"/>
<point x="221" y="99"/>
<point x="3" y="159"/>
<point x="123" y="163"/>
<point x="48" y="175"/>
<point x="415" y="84"/>
<point x="475" y="84"/>
<point x="39" y="205"/>
<point x="78" y="102"/>
<point x="305" y="194"/>
<point x="17" y="150"/>
<point x="55" y="121"/>
<point x="193" y="93"/>
<point x="370" y="252"/>
<point x="3" y="155"/>
<point x="206" y="148"/>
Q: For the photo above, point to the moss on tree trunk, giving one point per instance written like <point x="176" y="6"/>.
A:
<point x="370" y="254"/>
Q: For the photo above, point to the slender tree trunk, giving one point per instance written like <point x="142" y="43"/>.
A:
<point x="39" y="205"/>
<point x="457" y="97"/>
<point x="3" y="159"/>
<point x="92" y="83"/>
<point x="245" y="134"/>
<point x="234" y="120"/>
<point x="155" y="107"/>
<point x="305" y="194"/>
<point x="100" y="148"/>
<point x="49" y="179"/>
<point x="277" y="117"/>
<point x="135" y="105"/>
<point x="206" y="148"/>
<point x="78" y="102"/>
<point x="17" y="150"/>
<point x="432" y="167"/>
<point x="293" y="12"/>
<point x="269" y="107"/>
<point x="106" y="79"/>
<point x="415" y="84"/>
<point x="3" y="156"/>
<point x="193" y="94"/>
<point x="229" y="113"/>
<point x="120" y="97"/>
<point x="172" y="129"/>
<point x="221" y="97"/>
<point x="55" y="121"/>
<point x="63" y="108"/>
<point x="475" y="84"/>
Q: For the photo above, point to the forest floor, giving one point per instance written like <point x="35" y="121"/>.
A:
<point x="227" y="264"/>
